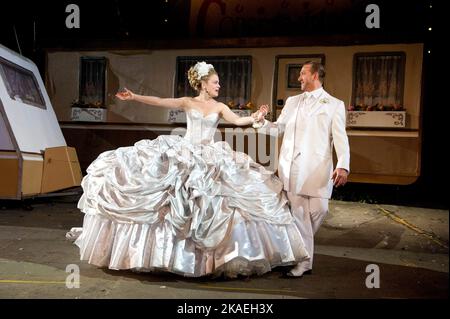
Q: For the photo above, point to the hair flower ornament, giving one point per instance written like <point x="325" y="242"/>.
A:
<point x="202" y="69"/>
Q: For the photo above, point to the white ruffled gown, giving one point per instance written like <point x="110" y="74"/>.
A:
<point x="186" y="205"/>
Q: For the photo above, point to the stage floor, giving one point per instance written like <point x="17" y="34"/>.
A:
<point x="409" y="245"/>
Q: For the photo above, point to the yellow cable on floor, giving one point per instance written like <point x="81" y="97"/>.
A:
<point x="414" y="228"/>
<point x="8" y="281"/>
<point x="244" y="289"/>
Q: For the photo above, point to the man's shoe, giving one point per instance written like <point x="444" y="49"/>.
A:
<point x="290" y="275"/>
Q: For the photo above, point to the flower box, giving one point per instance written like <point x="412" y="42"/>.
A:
<point x="376" y="118"/>
<point x="94" y="114"/>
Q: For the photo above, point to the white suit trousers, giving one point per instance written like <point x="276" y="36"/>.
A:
<point x="309" y="213"/>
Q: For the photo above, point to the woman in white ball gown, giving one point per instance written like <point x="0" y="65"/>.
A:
<point x="187" y="205"/>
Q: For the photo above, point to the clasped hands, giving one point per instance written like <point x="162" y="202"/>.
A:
<point x="259" y="115"/>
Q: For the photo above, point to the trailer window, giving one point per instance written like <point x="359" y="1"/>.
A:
<point x="21" y="84"/>
<point x="92" y="81"/>
<point x="235" y="73"/>
<point x="378" y="81"/>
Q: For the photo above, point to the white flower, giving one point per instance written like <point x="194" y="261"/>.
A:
<point x="258" y="124"/>
<point x="202" y="69"/>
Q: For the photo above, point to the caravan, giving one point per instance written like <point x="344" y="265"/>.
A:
<point x="34" y="157"/>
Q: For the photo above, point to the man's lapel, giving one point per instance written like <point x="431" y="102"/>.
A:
<point x="321" y="105"/>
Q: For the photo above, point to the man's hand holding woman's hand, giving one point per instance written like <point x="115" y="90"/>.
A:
<point x="259" y="116"/>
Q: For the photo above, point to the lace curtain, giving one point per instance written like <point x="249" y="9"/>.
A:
<point x="379" y="81"/>
<point x="235" y="74"/>
<point x="92" y="80"/>
<point x="21" y="84"/>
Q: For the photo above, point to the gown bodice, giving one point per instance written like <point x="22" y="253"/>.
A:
<point x="201" y="128"/>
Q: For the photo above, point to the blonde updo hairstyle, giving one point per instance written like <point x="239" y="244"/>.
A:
<point x="198" y="73"/>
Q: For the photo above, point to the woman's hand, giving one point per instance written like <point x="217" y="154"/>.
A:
<point x="261" y="113"/>
<point x="259" y="116"/>
<point x="125" y="95"/>
<point x="264" y="110"/>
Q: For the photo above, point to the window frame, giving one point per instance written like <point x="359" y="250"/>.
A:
<point x="27" y="72"/>
<point x="402" y="55"/>
<point x="104" y="88"/>
<point x="208" y="59"/>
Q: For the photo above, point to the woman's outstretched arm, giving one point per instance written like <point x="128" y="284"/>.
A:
<point x="172" y="103"/>
<point x="231" y="117"/>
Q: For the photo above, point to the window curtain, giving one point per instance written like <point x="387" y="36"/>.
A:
<point x="92" y="80"/>
<point x="379" y="81"/>
<point x="21" y="83"/>
<point x="234" y="76"/>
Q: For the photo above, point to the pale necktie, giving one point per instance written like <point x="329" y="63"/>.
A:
<point x="309" y="99"/>
<point x="299" y="121"/>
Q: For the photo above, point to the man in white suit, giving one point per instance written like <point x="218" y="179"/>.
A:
<point x="312" y="123"/>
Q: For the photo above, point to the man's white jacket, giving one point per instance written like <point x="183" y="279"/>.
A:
<point x="323" y="127"/>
